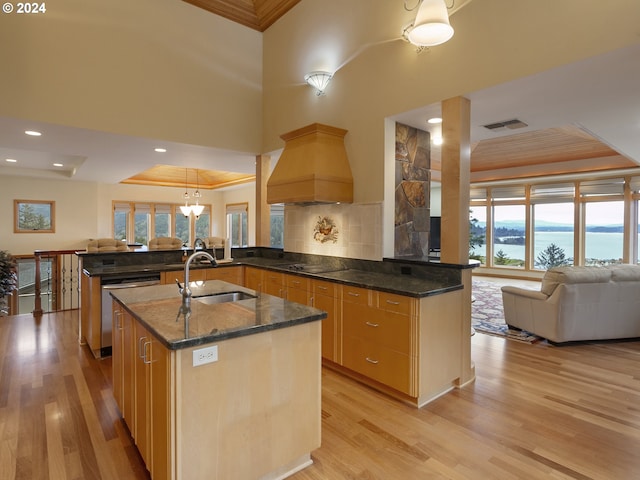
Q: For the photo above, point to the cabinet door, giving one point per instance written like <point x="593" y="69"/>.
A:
<point x="324" y="297"/>
<point x="195" y="275"/>
<point x="160" y="368"/>
<point x="128" y="366"/>
<point x="273" y="284"/>
<point x="122" y="365"/>
<point x="253" y="278"/>
<point x="141" y="432"/>
<point x="297" y="289"/>
<point x="117" y="357"/>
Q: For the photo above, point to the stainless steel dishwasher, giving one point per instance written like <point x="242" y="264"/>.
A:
<point x="111" y="283"/>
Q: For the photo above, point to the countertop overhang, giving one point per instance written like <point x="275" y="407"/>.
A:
<point x="158" y="309"/>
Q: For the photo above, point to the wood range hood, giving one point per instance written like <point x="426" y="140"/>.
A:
<point x="313" y="168"/>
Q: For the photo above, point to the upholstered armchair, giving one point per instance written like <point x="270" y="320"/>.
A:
<point x="214" y="242"/>
<point x="107" y="245"/>
<point x="165" y="243"/>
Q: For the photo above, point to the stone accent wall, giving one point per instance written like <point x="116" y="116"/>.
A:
<point x="413" y="173"/>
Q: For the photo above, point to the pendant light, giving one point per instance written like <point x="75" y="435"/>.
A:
<point x="431" y="26"/>
<point x="185" y="209"/>
<point x="197" y="208"/>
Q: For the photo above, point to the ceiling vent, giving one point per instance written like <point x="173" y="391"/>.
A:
<point x="506" y="125"/>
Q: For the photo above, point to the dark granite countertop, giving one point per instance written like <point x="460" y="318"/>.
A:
<point x="158" y="309"/>
<point x="410" y="285"/>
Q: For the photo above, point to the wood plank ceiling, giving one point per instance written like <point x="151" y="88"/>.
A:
<point x="256" y="14"/>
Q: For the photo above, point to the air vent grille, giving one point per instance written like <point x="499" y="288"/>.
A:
<point x="507" y="124"/>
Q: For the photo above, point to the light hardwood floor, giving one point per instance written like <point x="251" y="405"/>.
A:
<point x="534" y="411"/>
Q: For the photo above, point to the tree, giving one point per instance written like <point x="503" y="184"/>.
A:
<point x="552" y="256"/>
<point x="501" y="258"/>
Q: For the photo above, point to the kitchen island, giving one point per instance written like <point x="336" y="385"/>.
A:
<point x="227" y="390"/>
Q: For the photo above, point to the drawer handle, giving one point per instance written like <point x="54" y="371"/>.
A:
<point x="370" y="360"/>
<point x="391" y="302"/>
<point x="322" y="288"/>
<point x="146" y="360"/>
<point x="372" y="324"/>
<point x="295" y="282"/>
<point x="353" y="294"/>
<point x="141" y="352"/>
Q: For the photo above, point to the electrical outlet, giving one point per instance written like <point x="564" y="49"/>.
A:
<point x="205" y="355"/>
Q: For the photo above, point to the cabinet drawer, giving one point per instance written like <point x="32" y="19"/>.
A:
<point x="273" y="278"/>
<point x="386" y="329"/>
<point x="295" y="281"/>
<point x="320" y="287"/>
<point x="356" y="295"/>
<point x="395" y="303"/>
<point x="227" y="274"/>
<point x="378" y="363"/>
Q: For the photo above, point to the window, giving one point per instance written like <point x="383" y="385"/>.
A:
<point x="604" y="232"/>
<point x="553" y="225"/>
<point x="203" y="224"/>
<point x="509" y="225"/>
<point x="237" y="224"/>
<point x="182" y="226"/>
<point x="162" y="221"/>
<point x="121" y="220"/>
<point x="142" y="223"/>
<point x="277" y="226"/>
<point x="509" y="235"/>
<point x="33" y="216"/>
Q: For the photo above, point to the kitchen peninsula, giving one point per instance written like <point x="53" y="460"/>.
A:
<point x="399" y="325"/>
<point x="228" y="389"/>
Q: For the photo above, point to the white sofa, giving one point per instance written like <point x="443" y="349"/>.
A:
<point x="578" y="303"/>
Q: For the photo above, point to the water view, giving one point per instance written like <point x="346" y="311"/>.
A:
<point x="600" y="245"/>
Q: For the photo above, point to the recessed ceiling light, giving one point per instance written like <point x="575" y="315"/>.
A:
<point x="160" y="150"/>
<point x="434" y="120"/>
<point x="11" y="160"/>
<point x="58" y="165"/>
<point x="33" y="133"/>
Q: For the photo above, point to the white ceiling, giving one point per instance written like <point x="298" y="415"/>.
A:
<point x="600" y="95"/>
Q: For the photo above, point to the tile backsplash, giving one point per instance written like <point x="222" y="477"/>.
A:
<point x="339" y="230"/>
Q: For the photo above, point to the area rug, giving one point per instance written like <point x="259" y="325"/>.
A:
<point x="487" y="315"/>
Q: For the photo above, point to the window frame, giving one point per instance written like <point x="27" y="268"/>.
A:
<point x="16" y="216"/>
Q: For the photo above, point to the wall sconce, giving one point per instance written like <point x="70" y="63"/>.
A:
<point x="431" y="26"/>
<point x="318" y="80"/>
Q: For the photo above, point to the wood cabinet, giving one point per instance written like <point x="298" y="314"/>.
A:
<point x="297" y="289"/>
<point x="273" y="283"/>
<point x="253" y="278"/>
<point x="325" y="296"/>
<point x="378" y="333"/>
<point x="141" y="387"/>
<point x="195" y="275"/>
<point x="261" y="395"/>
<point x="228" y="274"/>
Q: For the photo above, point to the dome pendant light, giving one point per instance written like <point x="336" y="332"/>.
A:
<point x="431" y="26"/>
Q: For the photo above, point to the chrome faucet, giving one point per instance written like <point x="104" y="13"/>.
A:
<point x="199" y="242"/>
<point x="185" y="291"/>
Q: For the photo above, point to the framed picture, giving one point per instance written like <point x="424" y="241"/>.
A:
<point x="34" y="216"/>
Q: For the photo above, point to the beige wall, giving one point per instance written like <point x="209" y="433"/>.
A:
<point x="160" y="69"/>
<point x="495" y="41"/>
<point x="83" y="210"/>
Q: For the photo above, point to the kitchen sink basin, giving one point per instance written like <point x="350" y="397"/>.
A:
<point x="224" y="297"/>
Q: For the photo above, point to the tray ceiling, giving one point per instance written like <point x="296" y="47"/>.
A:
<point x="256" y="14"/>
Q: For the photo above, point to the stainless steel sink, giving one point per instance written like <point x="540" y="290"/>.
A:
<point x="224" y="297"/>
